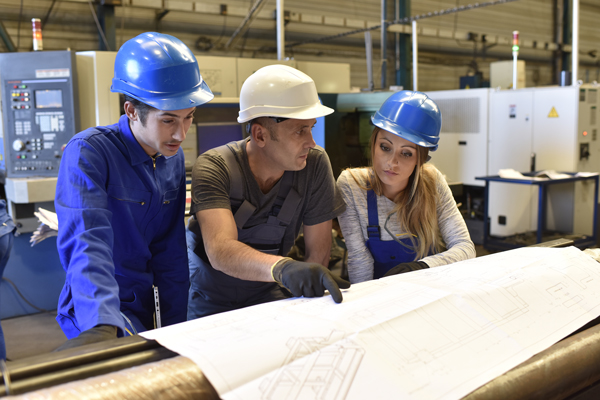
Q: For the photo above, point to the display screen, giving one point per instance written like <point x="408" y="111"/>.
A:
<point x="48" y="99"/>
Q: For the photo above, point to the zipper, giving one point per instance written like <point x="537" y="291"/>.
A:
<point x="141" y="203"/>
<point x="154" y="159"/>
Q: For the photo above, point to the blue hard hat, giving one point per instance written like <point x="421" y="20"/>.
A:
<point x="412" y="116"/>
<point x="161" y="71"/>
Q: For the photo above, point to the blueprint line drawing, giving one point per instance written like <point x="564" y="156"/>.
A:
<point x="438" y="333"/>
<point x="312" y="371"/>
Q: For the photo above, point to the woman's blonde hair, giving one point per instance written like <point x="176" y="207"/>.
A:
<point x="416" y="207"/>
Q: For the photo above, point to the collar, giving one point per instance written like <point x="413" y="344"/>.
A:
<point x="137" y="155"/>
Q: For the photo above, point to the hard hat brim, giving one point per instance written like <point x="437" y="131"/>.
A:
<point x="315" y="111"/>
<point x="405" y="133"/>
<point x="180" y="101"/>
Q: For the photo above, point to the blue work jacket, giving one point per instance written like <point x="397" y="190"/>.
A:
<point x="121" y="231"/>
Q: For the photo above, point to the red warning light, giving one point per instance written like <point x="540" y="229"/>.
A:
<point x="584" y="133"/>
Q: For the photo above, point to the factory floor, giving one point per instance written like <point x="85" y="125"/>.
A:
<point x="37" y="334"/>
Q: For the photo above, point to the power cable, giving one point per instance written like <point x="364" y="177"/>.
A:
<point x="23" y="297"/>
<point x="98" y="26"/>
<point x="19" y="25"/>
<point x="43" y="24"/>
<point x="249" y="18"/>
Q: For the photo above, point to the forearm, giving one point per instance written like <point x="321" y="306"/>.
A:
<point x="317" y="239"/>
<point x="454" y="232"/>
<point x="241" y="261"/>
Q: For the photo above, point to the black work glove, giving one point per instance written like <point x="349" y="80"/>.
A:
<point x="406" y="267"/>
<point x="97" y="334"/>
<point x="308" y="279"/>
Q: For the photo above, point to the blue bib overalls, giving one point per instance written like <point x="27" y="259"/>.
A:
<point x="386" y="254"/>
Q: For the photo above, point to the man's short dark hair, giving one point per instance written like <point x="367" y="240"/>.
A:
<point x="142" y="108"/>
<point x="267" y="123"/>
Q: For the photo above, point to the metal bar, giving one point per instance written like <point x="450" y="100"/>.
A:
<point x="383" y="44"/>
<point x="397" y="44"/>
<point x="94" y="353"/>
<point x="280" y="31"/>
<point x="244" y="22"/>
<point x="6" y="38"/>
<point x="541" y="214"/>
<point x="486" y="225"/>
<point x="415" y="54"/>
<point x="575" y="46"/>
<point x="369" y="53"/>
<point x="88" y="370"/>
<point x="514" y="70"/>
<point x="406" y="20"/>
<point x="176" y="378"/>
<point x="556" y="373"/>
<point x="594" y="226"/>
<point x="562" y="242"/>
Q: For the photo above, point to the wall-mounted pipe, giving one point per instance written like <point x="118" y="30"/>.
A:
<point x="280" y="31"/>
<point x="369" y="54"/>
<point x="575" y="46"/>
<point x="415" y="52"/>
<point x="383" y="44"/>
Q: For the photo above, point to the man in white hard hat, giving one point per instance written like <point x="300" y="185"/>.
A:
<point x="251" y="197"/>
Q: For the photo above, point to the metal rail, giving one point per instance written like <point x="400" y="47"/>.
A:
<point x="406" y="20"/>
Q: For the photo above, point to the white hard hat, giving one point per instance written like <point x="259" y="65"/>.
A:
<point x="280" y="91"/>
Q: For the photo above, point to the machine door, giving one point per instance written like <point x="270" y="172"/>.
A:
<point x="462" y="151"/>
<point x="512" y="207"/>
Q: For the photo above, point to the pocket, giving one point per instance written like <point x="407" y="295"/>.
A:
<point x="170" y="195"/>
<point x="129" y="195"/>
<point x="128" y="203"/>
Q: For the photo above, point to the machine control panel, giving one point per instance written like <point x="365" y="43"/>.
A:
<point x="39" y="110"/>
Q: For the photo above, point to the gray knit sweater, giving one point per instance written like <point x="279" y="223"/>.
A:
<point x="355" y="219"/>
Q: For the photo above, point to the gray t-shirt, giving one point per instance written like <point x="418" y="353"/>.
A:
<point x="321" y="201"/>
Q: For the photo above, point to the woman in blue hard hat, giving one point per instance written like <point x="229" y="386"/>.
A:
<point x="120" y="199"/>
<point x="400" y="213"/>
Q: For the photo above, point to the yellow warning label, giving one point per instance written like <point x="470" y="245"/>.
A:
<point x="553" y="113"/>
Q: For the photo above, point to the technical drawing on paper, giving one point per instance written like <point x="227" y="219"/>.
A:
<point x="315" y="368"/>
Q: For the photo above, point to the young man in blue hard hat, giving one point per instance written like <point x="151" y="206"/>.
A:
<point x="250" y="198"/>
<point x="120" y="199"/>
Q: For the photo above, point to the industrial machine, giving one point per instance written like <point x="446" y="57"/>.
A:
<point x="39" y="114"/>
<point x="547" y="128"/>
<point x="535" y="129"/>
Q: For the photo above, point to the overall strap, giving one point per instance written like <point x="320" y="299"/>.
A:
<point x="287" y="200"/>
<point x="236" y="186"/>
<point x="373" y="230"/>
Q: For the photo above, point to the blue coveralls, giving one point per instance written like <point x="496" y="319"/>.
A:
<point x="7" y="229"/>
<point x="386" y="254"/>
<point x="121" y="231"/>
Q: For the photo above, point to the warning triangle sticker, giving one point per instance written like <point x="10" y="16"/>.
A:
<point x="553" y="113"/>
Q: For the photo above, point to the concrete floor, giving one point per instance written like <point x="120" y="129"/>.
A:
<point x="36" y="334"/>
